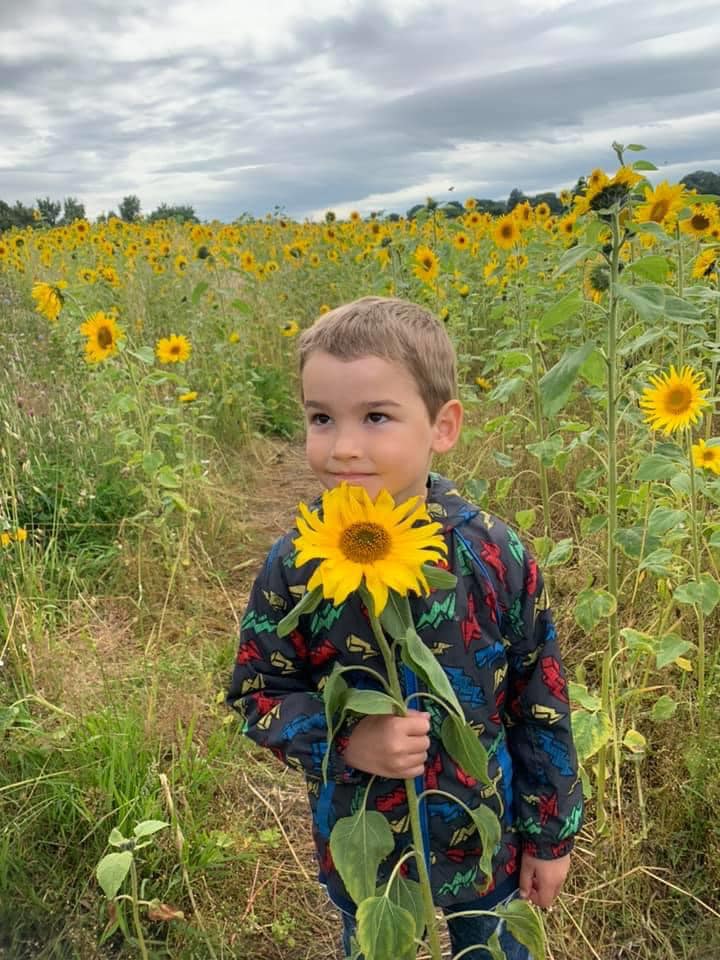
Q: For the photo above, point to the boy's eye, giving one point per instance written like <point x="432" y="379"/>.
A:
<point x="377" y="417"/>
<point x="319" y="419"/>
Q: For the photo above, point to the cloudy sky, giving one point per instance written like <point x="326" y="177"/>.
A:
<point x="242" y="105"/>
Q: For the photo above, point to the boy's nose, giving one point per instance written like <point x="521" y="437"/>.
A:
<point x="347" y="445"/>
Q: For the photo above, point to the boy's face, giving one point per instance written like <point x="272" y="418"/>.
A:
<point x="367" y="425"/>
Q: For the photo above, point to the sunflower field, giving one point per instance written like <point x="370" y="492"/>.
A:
<point x="150" y="453"/>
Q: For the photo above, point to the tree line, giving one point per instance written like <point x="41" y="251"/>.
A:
<point x="53" y="213"/>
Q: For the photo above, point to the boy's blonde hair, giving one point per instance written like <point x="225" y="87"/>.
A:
<point x="394" y="330"/>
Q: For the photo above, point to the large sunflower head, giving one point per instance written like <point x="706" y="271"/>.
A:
<point x="507" y="232"/>
<point x="358" y="540"/>
<point x="675" y="400"/>
<point x="49" y="298"/>
<point x="706" y="265"/>
<point x="102" y="334"/>
<point x="662" y="204"/>
<point x="701" y="219"/>
<point x="427" y="264"/>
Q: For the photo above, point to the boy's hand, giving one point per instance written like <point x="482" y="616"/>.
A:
<point x="541" y="880"/>
<point x="390" y="746"/>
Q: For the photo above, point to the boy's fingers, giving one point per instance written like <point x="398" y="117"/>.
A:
<point x="526" y="878"/>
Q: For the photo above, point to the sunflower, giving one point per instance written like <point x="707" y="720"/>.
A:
<point x="470" y="203"/>
<point x="188" y="397"/>
<point x="461" y="241"/>
<point x="290" y="328"/>
<point x="706" y="457"/>
<point x="507" y="232"/>
<point x="49" y="299"/>
<point x="180" y="263"/>
<point x="542" y="211"/>
<point x="358" y="539"/>
<point x="706" y="264"/>
<point x="173" y="349"/>
<point x="102" y="334"/>
<point x="482" y="383"/>
<point x="596" y="281"/>
<point x="675" y="400"/>
<point x="427" y="264"/>
<point x="661" y="204"/>
<point x="700" y="221"/>
<point x="247" y="260"/>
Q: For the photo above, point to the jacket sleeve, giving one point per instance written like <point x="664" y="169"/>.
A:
<point x="272" y="687"/>
<point x="546" y="786"/>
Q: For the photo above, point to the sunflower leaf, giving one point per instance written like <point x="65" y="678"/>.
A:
<point x="464" y="746"/>
<point x="572" y="257"/>
<point x="385" y="930"/>
<point x="438" y="578"/>
<point x="396" y="618"/>
<point x="523" y="923"/>
<point x="308" y="602"/>
<point x="423" y="661"/>
<point x="358" y="845"/>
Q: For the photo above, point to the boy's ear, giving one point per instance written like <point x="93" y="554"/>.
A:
<point x="446" y="428"/>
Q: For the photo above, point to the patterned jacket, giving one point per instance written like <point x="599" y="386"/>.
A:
<point x="494" y="637"/>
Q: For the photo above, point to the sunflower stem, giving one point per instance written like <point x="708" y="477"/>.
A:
<point x="680" y="288"/>
<point x="698" y="606"/>
<point x="713" y="372"/>
<point x="540" y="430"/>
<point x="412" y="798"/>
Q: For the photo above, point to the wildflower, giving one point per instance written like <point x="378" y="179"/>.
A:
<point x="675" y="400"/>
<point x="463" y="290"/>
<point x="188" y="397"/>
<point x="358" y="539"/>
<point x="290" y="328"/>
<point x="483" y="383"/>
<point x="5" y="538"/>
<point x="102" y="334"/>
<point x="173" y="349"/>
<point x="706" y="457"/>
<point x="444" y="314"/>
<point x="427" y="264"/>
<point x="507" y="232"/>
<point x="661" y="204"/>
<point x="234" y="337"/>
<point x="49" y="299"/>
<point x="20" y="535"/>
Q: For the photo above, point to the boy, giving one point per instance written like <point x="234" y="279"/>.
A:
<point x="379" y="391"/>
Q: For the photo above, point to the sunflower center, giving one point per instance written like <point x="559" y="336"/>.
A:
<point x="506" y="231"/>
<point x="427" y="262"/>
<point x="708" y="456"/>
<point x="700" y="222"/>
<point x="104" y="337"/>
<point x="678" y="400"/>
<point x="175" y="349"/>
<point x="365" y="542"/>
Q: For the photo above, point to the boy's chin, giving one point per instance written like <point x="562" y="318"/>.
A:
<point x="373" y="485"/>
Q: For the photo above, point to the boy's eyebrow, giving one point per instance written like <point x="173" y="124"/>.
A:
<point x="366" y="406"/>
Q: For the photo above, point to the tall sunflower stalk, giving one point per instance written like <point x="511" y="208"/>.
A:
<point x="383" y="552"/>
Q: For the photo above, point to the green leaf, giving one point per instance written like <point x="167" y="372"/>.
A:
<point x="408" y="895"/>
<point x="464" y="746"/>
<point x="143" y="354"/>
<point x="644" y="165"/>
<point x="241" y="306"/>
<point x="594" y="368"/>
<point x="370" y="702"/>
<point x="654" y="268"/>
<point x="505" y="389"/>
<point x="705" y="593"/>
<point x="647" y="300"/>
<point x="658" y="562"/>
<point x="635" y="742"/>
<point x="525" y="925"/>
<point x="656" y="467"/>
<point x="663" y="709"/>
<point x="592" y="605"/>
<point x="358" y="845"/>
<point x="503" y="486"/>
<point x="199" y="291"/>
<point x="309" y="601"/>
<point x="438" y="578"/>
<point x="642" y="341"/>
<point x="152" y="461"/>
<point x="476" y="489"/>
<point x="423" y="661"/>
<point x="546" y="450"/>
<point x="116" y="839"/>
<point x="591" y="731"/>
<point x="167" y="477"/>
<point x="635" y="147"/>
<point x="560" y="553"/>
<point x="668" y="648"/>
<point x="385" y="931"/>
<point x="146" y="828"/>
<point x="525" y="518"/>
<point x="681" y="310"/>
<point x="579" y="693"/>
<point x="396" y="618"/>
<point x="494" y="948"/>
<point x="637" y="641"/>
<point x="572" y="257"/>
<point x="490" y="831"/>
<point x="112" y="870"/>
<point x="663" y="519"/>
<point x="565" y="308"/>
<point x="557" y="383"/>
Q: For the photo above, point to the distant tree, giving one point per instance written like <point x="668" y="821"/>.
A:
<point x="130" y="208"/>
<point x="550" y="198"/>
<point x="16" y="216"/>
<point x="49" y="211"/>
<point x="703" y="181"/>
<point x="452" y="209"/>
<point x="414" y="211"/>
<point x="73" y="210"/>
<point x="495" y="207"/>
<point x="179" y="212"/>
<point x="516" y="197"/>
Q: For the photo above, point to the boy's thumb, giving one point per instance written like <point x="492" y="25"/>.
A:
<point x="526" y="878"/>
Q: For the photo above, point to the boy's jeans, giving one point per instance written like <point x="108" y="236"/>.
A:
<point x="464" y="932"/>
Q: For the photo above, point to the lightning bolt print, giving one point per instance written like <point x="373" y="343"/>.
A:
<point x="439" y="612"/>
<point x="324" y="617"/>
